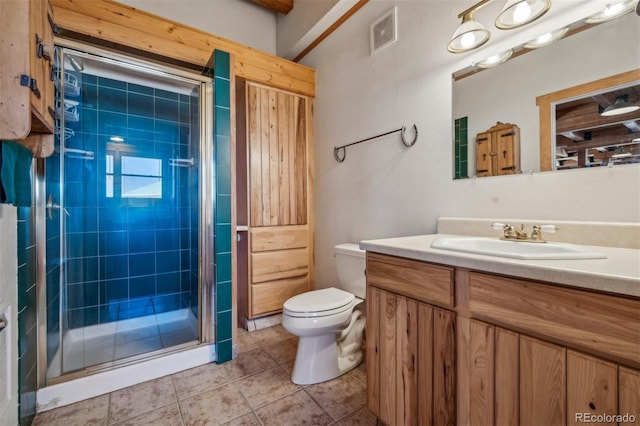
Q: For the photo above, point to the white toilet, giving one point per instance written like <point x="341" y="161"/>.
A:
<point x="329" y="329"/>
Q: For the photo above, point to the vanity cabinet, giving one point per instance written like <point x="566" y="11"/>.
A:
<point x="410" y="342"/>
<point x="274" y="183"/>
<point x="26" y="54"/>
<point x="543" y="354"/>
<point x="498" y="150"/>
<point x="520" y="352"/>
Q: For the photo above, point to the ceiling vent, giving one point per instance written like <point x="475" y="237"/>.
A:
<point x="384" y="31"/>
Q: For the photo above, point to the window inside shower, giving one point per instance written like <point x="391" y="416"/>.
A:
<point x="123" y="212"/>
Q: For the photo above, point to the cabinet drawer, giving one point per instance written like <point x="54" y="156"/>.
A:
<point x="604" y="323"/>
<point x="270" y="296"/>
<point x="417" y="280"/>
<point x="277" y="265"/>
<point x="279" y="238"/>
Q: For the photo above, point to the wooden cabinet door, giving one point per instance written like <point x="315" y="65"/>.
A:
<point x="277" y="126"/>
<point x="543" y="386"/>
<point x="498" y="150"/>
<point x="493" y="375"/>
<point x="15" y="113"/>
<point x="592" y="387"/>
<point x="484" y="155"/>
<point x="41" y="63"/>
<point x="410" y="360"/>
<point x="507" y="151"/>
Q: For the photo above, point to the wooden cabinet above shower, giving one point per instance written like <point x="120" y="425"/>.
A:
<point x="26" y="75"/>
<point x="274" y="183"/>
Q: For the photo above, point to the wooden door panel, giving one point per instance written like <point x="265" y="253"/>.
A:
<point x="481" y="369"/>
<point x="507" y="365"/>
<point x="277" y="156"/>
<point x="407" y="350"/>
<point x="629" y="394"/>
<point x="388" y="357"/>
<point x="425" y="364"/>
<point x="374" y="315"/>
<point x="483" y="155"/>
<point x="444" y="377"/>
<point x="543" y="385"/>
<point x="592" y="387"/>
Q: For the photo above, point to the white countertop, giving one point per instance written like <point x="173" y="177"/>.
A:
<point x="619" y="273"/>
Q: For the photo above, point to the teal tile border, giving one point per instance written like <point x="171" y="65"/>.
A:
<point x="461" y="148"/>
<point x="222" y="148"/>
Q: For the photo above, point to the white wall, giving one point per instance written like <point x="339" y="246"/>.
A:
<point x="384" y="189"/>
<point x="9" y="297"/>
<point x="238" y="20"/>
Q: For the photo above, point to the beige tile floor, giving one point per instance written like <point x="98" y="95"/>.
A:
<point x="254" y="389"/>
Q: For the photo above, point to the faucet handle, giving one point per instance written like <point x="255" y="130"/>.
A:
<point x="549" y="228"/>
<point x="498" y="226"/>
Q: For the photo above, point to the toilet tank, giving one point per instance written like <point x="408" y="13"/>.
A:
<point x="350" y="265"/>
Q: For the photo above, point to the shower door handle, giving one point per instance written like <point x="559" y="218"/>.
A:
<point x="51" y="206"/>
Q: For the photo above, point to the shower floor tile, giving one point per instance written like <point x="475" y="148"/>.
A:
<point x="255" y="389"/>
<point x="89" y="346"/>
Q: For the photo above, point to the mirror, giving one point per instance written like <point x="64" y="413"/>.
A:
<point x="507" y="93"/>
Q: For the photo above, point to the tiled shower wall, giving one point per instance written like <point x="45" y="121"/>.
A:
<point x="129" y="257"/>
<point x="222" y="141"/>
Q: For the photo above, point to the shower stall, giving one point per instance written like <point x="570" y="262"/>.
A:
<point x="128" y="196"/>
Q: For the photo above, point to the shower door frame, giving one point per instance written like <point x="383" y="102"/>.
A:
<point x="206" y="248"/>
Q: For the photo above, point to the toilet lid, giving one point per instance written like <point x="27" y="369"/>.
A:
<point x="326" y="301"/>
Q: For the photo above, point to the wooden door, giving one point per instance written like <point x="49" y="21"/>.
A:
<point x="277" y="143"/>
<point x="543" y="386"/>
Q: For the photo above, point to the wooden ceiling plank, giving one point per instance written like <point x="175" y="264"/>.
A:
<point x="280" y="6"/>
<point x="114" y="22"/>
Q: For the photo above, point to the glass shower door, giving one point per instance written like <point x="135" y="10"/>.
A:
<point x="127" y="176"/>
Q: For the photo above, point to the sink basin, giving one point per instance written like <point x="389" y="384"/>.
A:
<point x="515" y="249"/>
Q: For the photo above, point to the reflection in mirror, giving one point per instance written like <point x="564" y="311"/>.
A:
<point x="600" y="129"/>
<point x="507" y="93"/>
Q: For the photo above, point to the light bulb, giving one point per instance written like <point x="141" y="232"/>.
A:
<point x="467" y="40"/>
<point x="612" y="9"/>
<point x="545" y="38"/>
<point x="522" y="12"/>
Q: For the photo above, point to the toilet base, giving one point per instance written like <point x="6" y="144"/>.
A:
<point x="317" y="360"/>
<point x="325" y="357"/>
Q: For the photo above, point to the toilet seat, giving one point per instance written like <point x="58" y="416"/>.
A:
<point x="319" y="303"/>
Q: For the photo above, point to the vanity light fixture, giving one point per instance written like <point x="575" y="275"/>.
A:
<point x="613" y="10"/>
<point x="469" y="35"/>
<point x="517" y="13"/>
<point x="547" y="38"/>
<point x="619" y="107"/>
<point x="495" y="60"/>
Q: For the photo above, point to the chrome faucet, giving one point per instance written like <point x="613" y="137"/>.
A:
<point x="512" y="233"/>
